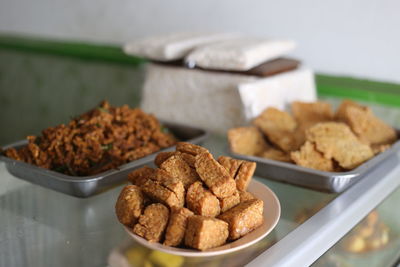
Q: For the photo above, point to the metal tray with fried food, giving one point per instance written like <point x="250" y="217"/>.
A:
<point x="332" y="182"/>
<point x="85" y="186"/>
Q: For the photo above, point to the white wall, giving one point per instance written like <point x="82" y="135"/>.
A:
<point x="350" y="37"/>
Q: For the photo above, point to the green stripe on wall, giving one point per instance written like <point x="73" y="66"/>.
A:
<point x="343" y="87"/>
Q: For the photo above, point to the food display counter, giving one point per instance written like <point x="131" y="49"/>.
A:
<point x="42" y="227"/>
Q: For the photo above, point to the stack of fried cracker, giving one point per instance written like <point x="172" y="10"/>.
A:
<point x="314" y="136"/>
<point x="191" y="199"/>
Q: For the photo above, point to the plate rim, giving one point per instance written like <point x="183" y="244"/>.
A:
<point x="212" y="252"/>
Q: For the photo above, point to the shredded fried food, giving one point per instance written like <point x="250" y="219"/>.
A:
<point x="99" y="140"/>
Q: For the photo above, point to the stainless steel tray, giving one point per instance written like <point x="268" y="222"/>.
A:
<point x="85" y="186"/>
<point x="332" y="182"/>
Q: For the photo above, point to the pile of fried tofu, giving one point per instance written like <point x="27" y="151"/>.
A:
<point x="315" y="136"/>
<point x="191" y="199"/>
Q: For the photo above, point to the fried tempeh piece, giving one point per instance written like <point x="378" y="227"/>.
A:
<point x="279" y="127"/>
<point x="140" y="176"/>
<point x="177" y="167"/>
<point x="204" y="233"/>
<point x="152" y="222"/>
<point x="246" y="141"/>
<point x="129" y="205"/>
<point x="244" y="175"/>
<point x="369" y="128"/>
<point x="190" y="148"/>
<point x="229" y="202"/>
<point x="170" y="192"/>
<point x="309" y="157"/>
<point x="336" y="140"/>
<point x="215" y="176"/>
<point x="276" y="154"/>
<point x="244" y="196"/>
<point x="163" y="156"/>
<point x="230" y="164"/>
<point x="201" y="201"/>
<point x="175" y="232"/>
<point x="309" y="113"/>
<point x="243" y="218"/>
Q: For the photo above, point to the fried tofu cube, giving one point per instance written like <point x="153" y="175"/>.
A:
<point x="244" y="175"/>
<point x="176" y="228"/>
<point x="336" y="140"/>
<point x="308" y="156"/>
<point x="177" y="167"/>
<point x="171" y="192"/>
<point x="140" y="176"/>
<point x="230" y="164"/>
<point x="244" y="196"/>
<point x="279" y="127"/>
<point x="129" y="205"/>
<point x="190" y="148"/>
<point x="243" y="218"/>
<point x="152" y="222"/>
<point x="204" y="233"/>
<point x="229" y="202"/>
<point x="246" y="141"/>
<point x="215" y="176"/>
<point x="276" y="154"/>
<point x="369" y="128"/>
<point x="201" y="201"/>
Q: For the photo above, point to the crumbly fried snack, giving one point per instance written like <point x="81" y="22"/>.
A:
<point x="244" y="196"/>
<point x="163" y="156"/>
<point x="379" y="148"/>
<point x="140" y="176"/>
<point x="336" y="140"/>
<point x="365" y="124"/>
<point x="190" y="148"/>
<point x="230" y="164"/>
<point x="229" y="202"/>
<point x="176" y="228"/>
<point x="204" y="233"/>
<point x="279" y="127"/>
<point x="171" y="193"/>
<point x="152" y="222"/>
<point x="201" y="201"/>
<point x="177" y="167"/>
<point x="102" y="139"/>
<point x="309" y="113"/>
<point x="244" y="175"/>
<point x="309" y="157"/>
<point x="243" y="218"/>
<point x="215" y="176"/>
<point x="246" y="141"/>
<point x="129" y="205"/>
<point x="276" y="154"/>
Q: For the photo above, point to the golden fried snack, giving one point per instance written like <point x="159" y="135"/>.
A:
<point x="244" y="196"/>
<point x="309" y="113"/>
<point x="365" y="124"/>
<point x="201" y="201"/>
<point x="176" y="228"/>
<point x="215" y="176"/>
<point x="276" y="154"/>
<point x="336" y="140"/>
<point x="244" y="175"/>
<point x="190" y="148"/>
<point x="170" y="192"/>
<point x="129" y="205"/>
<point x="279" y="127"/>
<point x="140" y="176"/>
<point x="177" y="167"/>
<point x="229" y="202"/>
<point x="243" y="218"/>
<point x="204" y="233"/>
<point x="230" y="164"/>
<point x="379" y="148"/>
<point x="163" y="156"/>
<point x="309" y="157"/>
<point x="152" y="222"/>
<point x="246" y="141"/>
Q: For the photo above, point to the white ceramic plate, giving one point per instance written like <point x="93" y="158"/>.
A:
<point x="272" y="212"/>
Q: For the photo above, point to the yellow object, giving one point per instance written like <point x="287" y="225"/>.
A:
<point x="165" y="260"/>
<point x="136" y="256"/>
